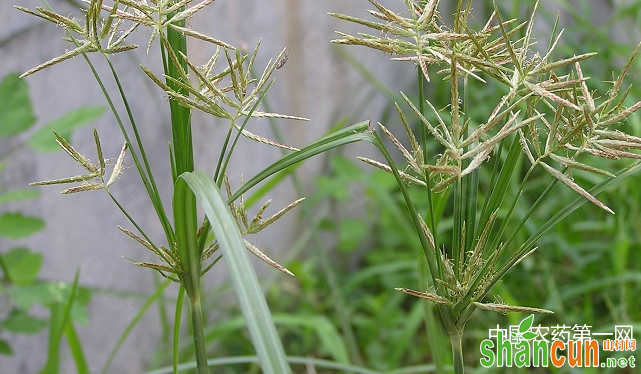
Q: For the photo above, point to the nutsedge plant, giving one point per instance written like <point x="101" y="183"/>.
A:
<point x="547" y="116"/>
<point x="224" y="88"/>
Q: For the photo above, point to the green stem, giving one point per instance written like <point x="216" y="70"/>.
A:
<point x="180" y="116"/>
<point x="185" y="213"/>
<point x="457" y="351"/>
<point x="472" y="182"/>
<point x="199" y="335"/>
<point x="145" y="173"/>
<point x="176" y="337"/>
<point x="424" y="137"/>
<point x="430" y="322"/>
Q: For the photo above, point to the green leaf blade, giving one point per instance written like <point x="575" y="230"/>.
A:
<point x="17" y="225"/>
<point x="16" y="112"/>
<point x="43" y="141"/>
<point x="252" y="301"/>
<point x="24" y="323"/>
<point x="5" y="348"/>
<point x="23" y="265"/>
<point x="19" y="195"/>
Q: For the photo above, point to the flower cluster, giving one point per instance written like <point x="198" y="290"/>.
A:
<point x="547" y="103"/>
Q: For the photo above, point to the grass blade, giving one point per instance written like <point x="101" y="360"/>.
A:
<point x="60" y="315"/>
<point x="75" y="346"/>
<point x="252" y="301"/>
<point x="344" y="136"/>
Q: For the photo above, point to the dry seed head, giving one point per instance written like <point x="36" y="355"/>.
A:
<point x="427" y="233"/>
<point x="258" y="253"/>
<point x="428" y="296"/>
<point x="536" y="88"/>
<point x="119" y="166"/>
<point x="258" y="218"/>
<point x="77" y="178"/>
<point x="209" y="251"/>
<point x="85" y="186"/>
<point x="137" y="238"/>
<point x="161" y="268"/>
<point x="280" y="213"/>
<point x="578" y="165"/>
<point x="573" y="185"/>
<point x="504" y="309"/>
<point x="455" y="289"/>
<point x="260" y="139"/>
<point x="408" y="156"/>
<point x="406" y="177"/>
<point x="71" y="151"/>
<point x="444" y="169"/>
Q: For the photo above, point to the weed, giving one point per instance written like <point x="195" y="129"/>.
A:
<point x="230" y="92"/>
<point x="547" y="113"/>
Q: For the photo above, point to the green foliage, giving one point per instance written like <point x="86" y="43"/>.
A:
<point x="231" y="93"/>
<point x="22" y="265"/>
<point x="16" y="113"/>
<point x="341" y="305"/>
<point x="42" y="141"/>
<point x="492" y="211"/>
<point x="21" y="322"/>
<point x="20" y="287"/>
<point x="19" y="195"/>
<point x="367" y="266"/>
<point x="17" y="225"/>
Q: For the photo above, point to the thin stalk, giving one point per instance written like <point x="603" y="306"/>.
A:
<point x="429" y="318"/>
<point x="147" y="180"/>
<point x="429" y="251"/>
<point x="153" y="192"/>
<point x="190" y="258"/>
<point x="185" y="212"/>
<point x="180" y="115"/>
<point x="508" y="216"/>
<point x="424" y="137"/>
<point x="459" y="223"/>
<point x="220" y="173"/>
<point x="219" y="180"/>
<point x="129" y="217"/>
<point x="532" y="209"/>
<point x="459" y="192"/>
<point x="472" y="185"/>
<point x="176" y="337"/>
<point x="456" y="340"/>
<point x="199" y="335"/>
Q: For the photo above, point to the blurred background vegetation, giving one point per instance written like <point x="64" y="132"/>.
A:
<point x="354" y="244"/>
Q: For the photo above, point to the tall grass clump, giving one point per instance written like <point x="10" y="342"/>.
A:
<point x="226" y="87"/>
<point x="474" y="170"/>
